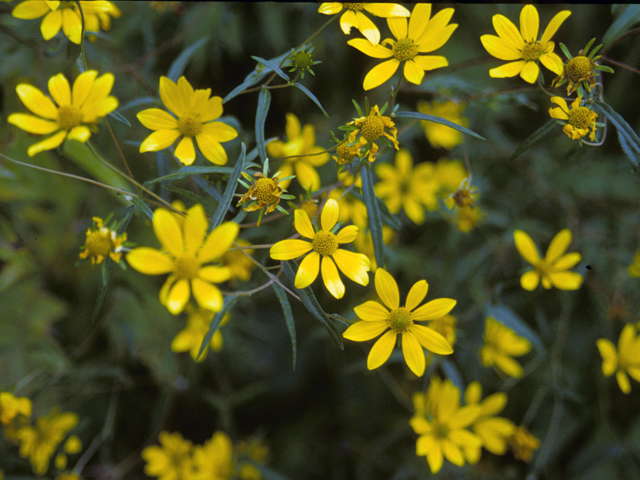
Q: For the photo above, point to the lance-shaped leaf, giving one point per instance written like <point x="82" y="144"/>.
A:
<point x="534" y="138"/>
<point x="630" y="141"/>
<point x="621" y="25"/>
<point x="288" y="317"/>
<point x="224" y="205"/>
<point x="215" y="322"/>
<point x="188" y="171"/>
<point x="373" y="212"/>
<point x="273" y="66"/>
<point x="264" y="100"/>
<point x="254" y="77"/>
<point x="180" y="63"/>
<point x="442" y="121"/>
<point x="309" y="94"/>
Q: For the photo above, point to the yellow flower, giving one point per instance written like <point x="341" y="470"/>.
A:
<point x="353" y="16"/>
<point x="300" y="153"/>
<point x="102" y="243"/>
<point x="195" y="113"/>
<point x="522" y="48"/>
<point x="403" y="186"/>
<point x="634" y="268"/>
<point x="442" y="426"/>
<point x="461" y="203"/>
<point x="171" y="461"/>
<point x="376" y="319"/>
<point x="523" y="444"/>
<point x="323" y="243"/>
<point x="100" y="20"/>
<point x="345" y="153"/>
<point x="423" y="35"/>
<point x="446" y="326"/>
<point x="214" y="459"/>
<point x="190" y="338"/>
<point x="239" y="264"/>
<point x="75" y="115"/>
<point x="552" y="270"/>
<point x="438" y="135"/>
<point x="623" y="362"/>
<point x="467" y="218"/>
<point x="185" y="253"/>
<point x="364" y="243"/>
<point x="11" y="407"/>
<point x="63" y="15"/>
<point x="578" y="120"/>
<point x="371" y="128"/>
<point x="500" y="344"/>
<point x="68" y="476"/>
<point x="351" y="209"/>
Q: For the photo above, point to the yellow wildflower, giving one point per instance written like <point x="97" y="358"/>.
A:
<point x="500" y="345"/>
<point x="190" y="338"/>
<point x="364" y="243"/>
<point x="171" y="461"/>
<point x="102" y="243"/>
<point x="376" y="319"/>
<point x="12" y="406"/>
<point x="624" y="361"/>
<point x="371" y="128"/>
<point x="345" y="153"/>
<point x="634" y="268"/>
<point x="76" y="112"/>
<point x="238" y="263"/>
<point x="438" y="135"/>
<point x="351" y="209"/>
<point x="214" y="459"/>
<point x="195" y="113"/>
<point x="578" y="120"/>
<point x="522" y="48"/>
<point x="523" y="444"/>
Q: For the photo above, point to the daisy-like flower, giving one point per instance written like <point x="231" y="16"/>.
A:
<point x="190" y="337"/>
<point x="353" y="16"/>
<point x="577" y="121"/>
<point x="75" y="115"/>
<point x="371" y="128"/>
<point x="193" y="119"/>
<point x="552" y="270"/>
<point x="324" y="244"/>
<point x="522" y="48"/>
<point x="101" y="19"/>
<point x="423" y="35"/>
<point x="238" y="263"/>
<point x="64" y="15"/>
<point x="396" y="320"/>
<point x="625" y="360"/>
<point x="580" y="71"/>
<point x="443" y="426"/>
<point x="12" y="406"/>
<point x="185" y="254"/>
<point x="300" y="153"/>
<point x="171" y="461"/>
<point x="102" y="243"/>
<point x="345" y="153"/>
<point x="523" y="444"/>
<point x="500" y="345"/>
<point x="214" y="459"/>
<point x="438" y="135"/>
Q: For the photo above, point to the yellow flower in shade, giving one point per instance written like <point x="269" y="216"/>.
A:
<point x="371" y="128"/>
<point x="345" y="153"/>
<point x="171" y="461"/>
<point x="324" y="244"/>
<point x="443" y="425"/>
<point x="67" y="476"/>
<point x="438" y="135"/>
<point x="40" y="442"/>
<point x="500" y="345"/>
<point x="403" y="187"/>
<point x="461" y="203"/>
<point x="193" y="119"/>
<point x="190" y="338"/>
<point x="523" y="444"/>
<point x="12" y="406"/>
<point x="214" y="459"/>
<point x="351" y="209"/>
<point x="353" y="16"/>
<point x="63" y="15"/>
<point x="75" y="115"/>
<point x="396" y="320"/>
<point x="552" y="269"/>
<point x="364" y="243"/>
<point x="185" y="254"/>
<point x="102" y="243"/>
<point x="578" y="120"/>
<point x="101" y="19"/>
<point x="300" y="154"/>
<point x="72" y="446"/>
<point x="441" y="180"/>
<point x="521" y="48"/>
<point x="634" y="268"/>
<point x="494" y="431"/>
<point x="423" y="35"/>
<point x="238" y="263"/>
<point x="623" y="362"/>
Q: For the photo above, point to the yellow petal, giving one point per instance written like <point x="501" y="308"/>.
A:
<point x="170" y="97"/>
<point x="149" y="261"/>
<point x="381" y="350"/>
<point x="307" y="176"/>
<point x="80" y="133"/>
<point x="218" y="242"/>
<point x="507" y="70"/>
<point x="380" y="74"/>
<point x="387" y="289"/>
<point x="558" y="245"/>
<point x="412" y="72"/>
<point x="59" y="90"/>
<point x="331" y="277"/>
<point x="211" y="110"/>
<point x="37" y="102"/>
<point x="566" y="280"/>
<point x="416" y="294"/>
<point x="214" y="274"/>
<point x="609" y="356"/>
<point x="308" y="270"/>
<point x="530" y="72"/>
<point x="374" y="50"/>
<point x="526" y="247"/>
<point x="367" y="28"/>
<point x="292" y="127"/>
<point x="386" y="10"/>
<point x="553" y="26"/>
<point x="329" y="215"/>
<point x="156" y="119"/>
<point x="211" y="149"/>
<point x="186" y="151"/>
<point x="207" y="295"/>
<point x="178" y="296"/>
<point x="552" y="62"/>
<point x="330" y="8"/>
<point x="303" y="224"/>
<point x="348" y="20"/>
<point x="430" y="62"/>
<point x="529" y="280"/>
<point x="32" y="124"/>
<point x="623" y="382"/>
<point x="437" y="32"/>
<point x="289" y="249"/>
<point x="363" y="331"/>
<point x="567" y="261"/>
<point x="418" y="21"/>
<point x="347" y="234"/>
<point x="452" y="453"/>
<point x="398" y="27"/>
<point x="194" y="228"/>
<point x="51" y="25"/>
<point x="508" y="366"/>
<point x="413" y="353"/>
<point x="371" y="311"/>
<point x="434" y="309"/>
<point x="353" y="265"/>
<point x="82" y="87"/>
<point x="50" y="143"/>
<point x="434" y="458"/>
<point x="30" y="9"/>
<point x="529" y="23"/>
<point x="218" y="131"/>
<point x="508" y="32"/>
<point x="431" y="340"/>
<point x="497" y="47"/>
<point x="159" y="140"/>
<point x="168" y="231"/>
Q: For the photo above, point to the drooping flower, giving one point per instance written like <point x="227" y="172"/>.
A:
<point x="300" y="154"/>
<point x="578" y="121"/>
<point x="345" y="153"/>
<point x="186" y="254"/>
<point x="170" y="461"/>
<point x="193" y="119"/>
<point x="371" y="128"/>
<point x="522" y="48"/>
<point x="214" y="459"/>
<point x="552" y="270"/>
<point x="400" y="320"/>
<point x="102" y="243"/>
<point x="423" y="35"/>
<point x="501" y="344"/>
<point x="325" y="252"/>
<point x="190" y="337"/>
<point x="438" y="135"/>
<point x="76" y="114"/>
<point x="353" y="16"/>
<point x="523" y="444"/>
<point x="625" y="360"/>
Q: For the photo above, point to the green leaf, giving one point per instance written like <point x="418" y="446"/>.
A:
<point x="274" y="67"/>
<point x="630" y="137"/>
<point x="264" y="100"/>
<point x="118" y="117"/>
<point x="144" y="208"/>
<point x="622" y="24"/>
<point x="288" y="317"/>
<point x="387" y="218"/>
<point x="215" y="322"/>
<point x="188" y="171"/>
<point x="179" y="64"/>
<point x="452" y="373"/>
<point x="632" y="155"/>
<point x="534" y="138"/>
<point x="188" y="195"/>
<point x="253" y="78"/>
<point x="508" y="318"/>
<point x="308" y="93"/>
<point x="310" y="302"/>
<point x="373" y="212"/>
<point x="223" y="207"/>
<point x="442" y="121"/>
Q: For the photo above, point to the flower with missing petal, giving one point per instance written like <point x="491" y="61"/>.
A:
<point x="522" y="48"/>
<point x="500" y="345"/>
<point x="325" y="252"/>
<point x="625" y="360"/>
<point x="577" y="121"/>
<point x="371" y="128"/>
<point x="190" y="337"/>
<point x="102" y="243"/>
<point x="193" y="119"/>
<point x="77" y="112"/>
<point x="186" y="253"/>
<point x="400" y="320"/>
<point x="353" y="16"/>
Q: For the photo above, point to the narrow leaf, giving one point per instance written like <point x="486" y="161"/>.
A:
<point x="188" y="171"/>
<point x="104" y="287"/>
<point x="452" y="373"/>
<point x="387" y="218"/>
<point x="431" y="118"/>
<point x="144" y="208"/>
<point x="631" y="139"/>
<point x="632" y="156"/>
<point x="254" y="77"/>
<point x="373" y="212"/>
<point x="274" y="67"/>
<point x="223" y="207"/>
<point x="308" y="93"/>
<point x="288" y="318"/>
<point x="215" y="323"/>
<point x="118" y="117"/>
<point x="622" y="24"/>
<point x="179" y="64"/>
<point x="534" y="138"/>
<point x="264" y="100"/>
<point x="191" y="197"/>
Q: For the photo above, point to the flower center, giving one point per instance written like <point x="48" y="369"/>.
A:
<point x="400" y="320"/>
<point x="531" y="51"/>
<point x="302" y="60"/>
<point x="265" y="191"/>
<point x="186" y="267"/>
<point x="463" y="198"/>
<point x="189" y="125"/>
<point x="580" y="118"/>
<point x="69" y="117"/>
<point x="310" y="208"/>
<point x="579" y="68"/>
<point x="98" y="244"/>
<point x="354" y="6"/>
<point x="405" y="49"/>
<point x="325" y="243"/>
<point x="346" y="153"/>
<point x="441" y="430"/>
<point x="372" y="127"/>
